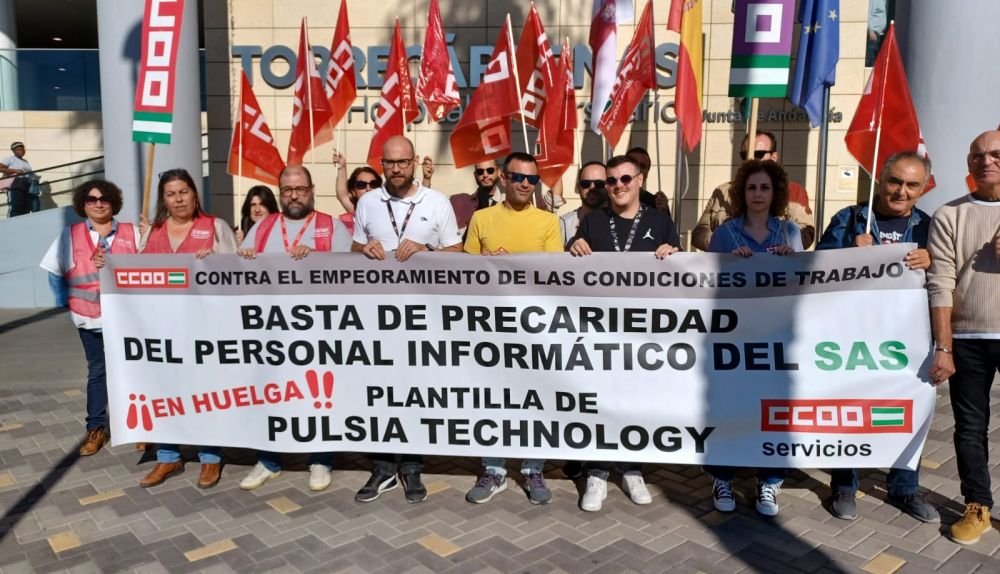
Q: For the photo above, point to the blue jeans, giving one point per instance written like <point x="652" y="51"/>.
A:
<point x="899" y="482"/>
<point x="97" y="381"/>
<point x="172" y="453"/>
<point x="272" y="460"/>
<point x="765" y="475"/>
<point x="498" y="466"/>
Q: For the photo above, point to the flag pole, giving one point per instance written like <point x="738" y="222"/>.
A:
<point x="878" y="138"/>
<point x="312" y="137"/>
<point x="752" y="128"/>
<point x="149" y="180"/>
<point x="656" y="125"/>
<point x="824" y="137"/>
<point x="678" y="175"/>
<point x="239" y="146"/>
<point x="517" y="85"/>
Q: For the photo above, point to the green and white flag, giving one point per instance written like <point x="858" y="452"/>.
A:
<point x="152" y="127"/>
<point x="762" y="47"/>
<point x="153" y="118"/>
<point x="888" y="416"/>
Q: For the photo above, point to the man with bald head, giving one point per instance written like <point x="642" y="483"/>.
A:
<point x="397" y="220"/>
<point x="962" y="284"/>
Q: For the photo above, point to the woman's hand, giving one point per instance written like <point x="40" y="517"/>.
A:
<point x="782" y="250"/>
<point x="743" y="251"/>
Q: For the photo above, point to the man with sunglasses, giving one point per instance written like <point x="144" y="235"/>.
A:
<point x="397" y="220"/>
<point x="514" y="226"/>
<point x="625" y="225"/>
<point x="718" y="208"/>
<point x="593" y="196"/>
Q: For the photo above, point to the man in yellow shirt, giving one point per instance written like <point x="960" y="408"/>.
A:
<point x="513" y="226"/>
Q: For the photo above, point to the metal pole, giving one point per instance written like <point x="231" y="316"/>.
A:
<point x="678" y="170"/>
<point x="824" y="137"/>
<point x="656" y="124"/>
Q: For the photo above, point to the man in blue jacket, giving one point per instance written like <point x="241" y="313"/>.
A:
<point x="894" y="219"/>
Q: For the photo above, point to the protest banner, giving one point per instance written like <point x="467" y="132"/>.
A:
<point x="699" y="358"/>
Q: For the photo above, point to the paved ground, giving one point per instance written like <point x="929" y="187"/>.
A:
<point x="61" y="512"/>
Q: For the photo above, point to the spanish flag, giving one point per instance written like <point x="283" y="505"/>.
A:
<point x="685" y="19"/>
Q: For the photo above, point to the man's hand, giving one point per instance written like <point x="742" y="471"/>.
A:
<point x="143" y="225"/>
<point x="942" y="367"/>
<point x="497" y="251"/>
<point x="873" y="35"/>
<point x="743" y="251"/>
<point x="865" y="240"/>
<point x="300" y="252"/>
<point x="374" y="250"/>
<point x="407" y="248"/>
<point x="248" y="253"/>
<point x="665" y="251"/>
<point x="918" y="259"/>
<point x="580" y="248"/>
<point x="203" y="253"/>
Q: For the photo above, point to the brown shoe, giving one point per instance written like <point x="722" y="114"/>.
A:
<point x="95" y="440"/>
<point x="140" y="446"/>
<point x="210" y="474"/>
<point x="162" y="471"/>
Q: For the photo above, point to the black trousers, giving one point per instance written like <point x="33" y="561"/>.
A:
<point x="977" y="362"/>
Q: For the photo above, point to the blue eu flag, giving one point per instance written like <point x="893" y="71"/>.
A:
<point x="819" y="50"/>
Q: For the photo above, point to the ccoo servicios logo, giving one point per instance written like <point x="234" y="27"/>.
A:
<point x="842" y="416"/>
<point x="152" y="278"/>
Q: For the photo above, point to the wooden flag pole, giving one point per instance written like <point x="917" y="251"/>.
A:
<point x="517" y="84"/>
<point x="752" y="128"/>
<point x="149" y="181"/>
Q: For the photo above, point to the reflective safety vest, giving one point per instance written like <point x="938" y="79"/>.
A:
<point x="200" y="236"/>
<point x="84" y="278"/>
<point x="322" y="232"/>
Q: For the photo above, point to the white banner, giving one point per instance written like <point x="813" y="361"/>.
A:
<point x="810" y="360"/>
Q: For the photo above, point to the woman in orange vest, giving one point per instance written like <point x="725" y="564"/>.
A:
<point x="180" y="226"/>
<point x="74" y="261"/>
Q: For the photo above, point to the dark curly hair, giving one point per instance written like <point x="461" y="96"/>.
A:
<point x="266" y="198"/>
<point x="779" y="185"/>
<point x="165" y="178"/>
<point x="354" y="177"/>
<point x="108" y="190"/>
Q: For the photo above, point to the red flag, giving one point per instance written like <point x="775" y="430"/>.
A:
<point x="885" y="104"/>
<point x="484" y="131"/>
<point x="636" y="75"/>
<point x="436" y="85"/>
<point x="340" y="85"/>
<point x="555" y="137"/>
<point x="685" y="19"/>
<point x="603" y="42"/>
<point x="309" y="105"/>
<point x="398" y="106"/>
<point x="253" y="145"/>
<point x="535" y="67"/>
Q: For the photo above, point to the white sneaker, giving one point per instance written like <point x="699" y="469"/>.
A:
<point x="593" y="497"/>
<point x="767" y="498"/>
<point x="319" y="477"/>
<point x="722" y="496"/>
<point x="257" y="477"/>
<point x="635" y="487"/>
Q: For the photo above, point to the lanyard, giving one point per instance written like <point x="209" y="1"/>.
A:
<point x="284" y="232"/>
<point x="103" y="241"/>
<point x="631" y="231"/>
<point x="406" y="220"/>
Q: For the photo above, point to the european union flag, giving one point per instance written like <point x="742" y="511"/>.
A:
<point x="819" y="50"/>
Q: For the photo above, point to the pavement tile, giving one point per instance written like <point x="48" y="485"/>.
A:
<point x="884" y="563"/>
<point x="210" y="550"/>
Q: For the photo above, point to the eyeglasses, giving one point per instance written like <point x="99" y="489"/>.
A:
<point x="488" y="170"/>
<point x="516" y="177"/>
<point x="290" y="191"/>
<point x="400" y="163"/>
<point x="585" y="183"/>
<point x="94" y="200"/>
<point x="980" y="156"/>
<point x="625" y="179"/>
<point x="360" y="184"/>
<point x="757" y="154"/>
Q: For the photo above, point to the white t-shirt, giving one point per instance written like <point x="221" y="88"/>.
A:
<point x="431" y="222"/>
<point x="58" y="260"/>
<point x="14" y="162"/>
<point x="340" y="243"/>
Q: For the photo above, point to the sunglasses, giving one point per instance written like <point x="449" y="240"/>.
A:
<point x="94" y="200"/>
<point x="757" y="154"/>
<point x="480" y="171"/>
<point x="519" y="177"/>
<point x="625" y="179"/>
<point x="360" y="184"/>
<point x="585" y="183"/>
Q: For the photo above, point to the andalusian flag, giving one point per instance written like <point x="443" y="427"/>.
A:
<point x="177" y="278"/>
<point x="888" y="416"/>
<point x="762" y="47"/>
<point x="685" y="19"/>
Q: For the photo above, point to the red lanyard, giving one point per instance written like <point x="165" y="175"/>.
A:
<point x="284" y="232"/>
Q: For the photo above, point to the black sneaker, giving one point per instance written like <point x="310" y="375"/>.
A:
<point x="573" y="469"/>
<point x="916" y="505"/>
<point x="379" y="482"/>
<point x="844" y="504"/>
<point x="413" y="488"/>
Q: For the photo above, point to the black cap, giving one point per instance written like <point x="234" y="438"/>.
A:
<point x="16" y="145"/>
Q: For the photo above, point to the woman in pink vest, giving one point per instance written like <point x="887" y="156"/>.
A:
<point x="74" y="261"/>
<point x="180" y="226"/>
